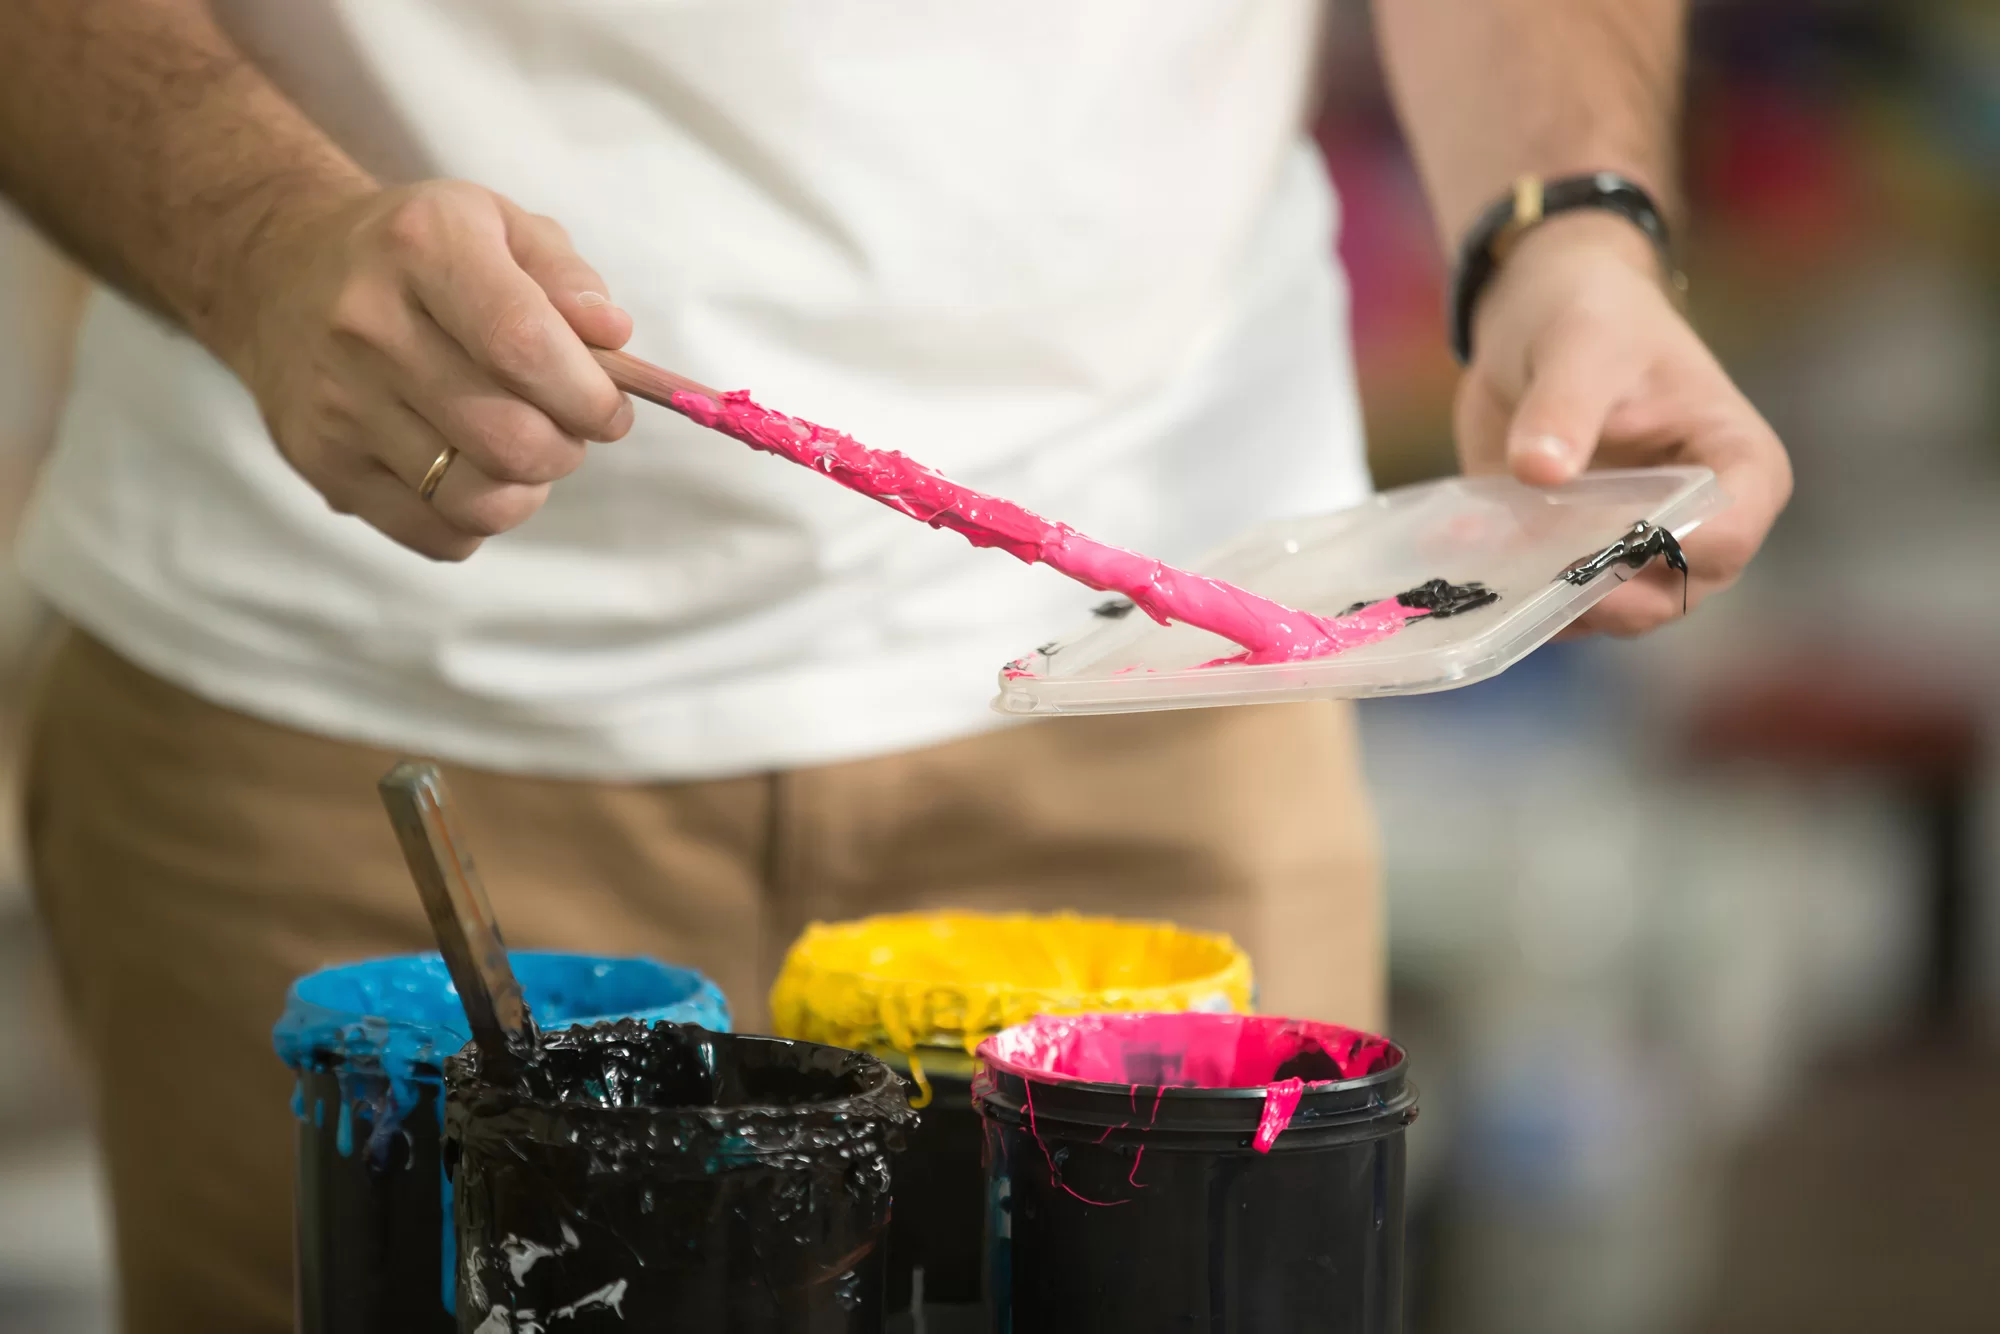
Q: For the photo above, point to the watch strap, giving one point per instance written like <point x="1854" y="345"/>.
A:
<point x="1533" y="200"/>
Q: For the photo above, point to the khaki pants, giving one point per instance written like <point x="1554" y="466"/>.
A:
<point x="191" y="861"/>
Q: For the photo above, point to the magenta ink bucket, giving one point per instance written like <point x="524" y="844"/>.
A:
<point x="1211" y="1173"/>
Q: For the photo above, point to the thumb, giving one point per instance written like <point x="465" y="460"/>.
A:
<point x="1571" y="390"/>
<point x="543" y="250"/>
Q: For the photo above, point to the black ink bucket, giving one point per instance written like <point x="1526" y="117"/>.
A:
<point x="372" y="1211"/>
<point x="935" y="1252"/>
<point x="1128" y="1194"/>
<point x="668" y="1177"/>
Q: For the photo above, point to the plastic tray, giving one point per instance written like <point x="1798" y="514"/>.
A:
<point x="1519" y="541"/>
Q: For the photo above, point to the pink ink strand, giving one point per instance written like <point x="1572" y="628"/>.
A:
<point x="1268" y="631"/>
<point x="1280" y="1101"/>
<point x="1191" y="1050"/>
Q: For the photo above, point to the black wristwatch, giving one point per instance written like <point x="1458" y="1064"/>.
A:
<point x="1534" y="199"/>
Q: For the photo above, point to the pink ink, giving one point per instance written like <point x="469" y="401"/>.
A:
<point x="1055" y="1175"/>
<point x="1189" y="1049"/>
<point x="1377" y="620"/>
<point x="1267" y="631"/>
<point x="1280" y="1101"/>
<point x="1284" y="1057"/>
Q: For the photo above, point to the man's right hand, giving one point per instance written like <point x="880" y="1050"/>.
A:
<point x="381" y="332"/>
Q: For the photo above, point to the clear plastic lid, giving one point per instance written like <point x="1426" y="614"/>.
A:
<point x="1545" y="555"/>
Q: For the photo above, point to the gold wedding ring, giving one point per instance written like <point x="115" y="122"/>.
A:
<point x="439" y="466"/>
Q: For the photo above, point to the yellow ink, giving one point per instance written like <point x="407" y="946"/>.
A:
<point x="946" y="981"/>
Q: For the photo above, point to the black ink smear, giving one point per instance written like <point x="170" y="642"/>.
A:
<point x="1116" y="609"/>
<point x="1440" y="598"/>
<point x="1633" y="551"/>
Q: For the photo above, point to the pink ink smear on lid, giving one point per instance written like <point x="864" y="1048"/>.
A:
<point x="1150" y="1053"/>
<point x="1268" y="631"/>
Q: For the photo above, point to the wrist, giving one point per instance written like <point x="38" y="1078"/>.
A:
<point x="269" y="241"/>
<point x="1540" y="217"/>
<point x="1585" y="233"/>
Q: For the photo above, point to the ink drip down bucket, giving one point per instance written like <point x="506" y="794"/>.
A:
<point x="1220" y="1174"/>
<point x="921" y="991"/>
<point x="665" y="1177"/>
<point x="373" y="1229"/>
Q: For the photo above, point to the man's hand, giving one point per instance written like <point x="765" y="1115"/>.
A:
<point x="1580" y="358"/>
<point x="377" y="328"/>
<point x="380" y="332"/>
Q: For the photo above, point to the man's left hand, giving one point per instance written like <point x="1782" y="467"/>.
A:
<point x="1581" y="358"/>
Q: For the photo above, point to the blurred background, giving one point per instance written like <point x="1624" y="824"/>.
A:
<point x="1702" y="974"/>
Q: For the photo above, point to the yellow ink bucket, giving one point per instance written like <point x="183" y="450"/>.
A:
<point x="940" y="983"/>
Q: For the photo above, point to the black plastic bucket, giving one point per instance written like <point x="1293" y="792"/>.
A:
<point x="936" y="1245"/>
<point x="1127" y="1193"/>
<point x="368" y="1040"/>
<point x="668" y="1177"/>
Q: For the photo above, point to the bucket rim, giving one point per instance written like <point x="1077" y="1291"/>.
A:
<point x="1395" y="1071"/>
<point x="857" y="1006"/>
<point x="298" y="991"/>
<point x="318" y="1030"/>
<point x="463" y="1083"/>
<point x="798" y="960"/>
<point x="688" y="1141"/>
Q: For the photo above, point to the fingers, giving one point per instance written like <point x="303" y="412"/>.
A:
<point x="1754" y="472"/>
<point x="1642" y="603"/>
<point x="499" y="432"/>
<point x="543" y="250"/>
<point x="431" y="318"/>
<point x="388" y="503"/>
<point x="457" y="254"/>
<point x="468" y="500"/>
<point x="1572" y="388"/>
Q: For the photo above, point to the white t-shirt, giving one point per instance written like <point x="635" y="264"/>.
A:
<point x="1075" y="252"/>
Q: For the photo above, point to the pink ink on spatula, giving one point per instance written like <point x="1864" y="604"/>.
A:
<point x="1268" y="631"/>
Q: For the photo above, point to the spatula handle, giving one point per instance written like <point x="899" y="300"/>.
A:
<point x="642" y="379"/>
<point x="461" y="915"/>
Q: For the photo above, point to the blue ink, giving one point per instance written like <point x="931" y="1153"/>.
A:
<point x="299" y="1099"/>
<point x="383" y="1027"/>
<point x="389" y="1023"/>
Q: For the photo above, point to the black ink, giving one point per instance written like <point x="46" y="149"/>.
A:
<point x="938" y="1222"/>
<point x="1440" y="598"/>
<point x="369" y="1249"/>
<point x="1634" y="551"/>
<point x="1116" y="609"/>
<point x="678" y="1178"/>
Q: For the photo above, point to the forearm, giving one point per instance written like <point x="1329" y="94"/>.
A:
<point x="138" y="136"/>
<point x="1491" y="90"/>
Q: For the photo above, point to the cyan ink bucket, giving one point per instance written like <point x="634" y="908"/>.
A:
<point x="368" y="1040"/>
<point x="1217" y="1174"/>
<point x="665" y="1177"/>
<point x="922" y="990"/>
